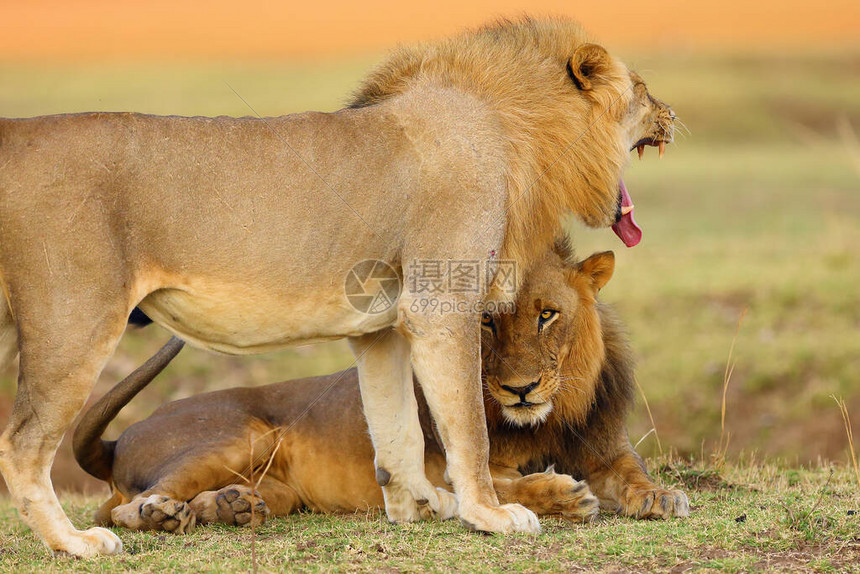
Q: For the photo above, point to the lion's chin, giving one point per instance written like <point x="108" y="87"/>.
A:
<point x="531" y="415"/>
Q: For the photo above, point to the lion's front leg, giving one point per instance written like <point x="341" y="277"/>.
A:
<point x="546" y="493"/>
<point x="624" y="486"/>
<point x="445" y="355"/>
<point x="385" y="379"/>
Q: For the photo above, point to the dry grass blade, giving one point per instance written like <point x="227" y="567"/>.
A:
<point x="849" y="432"/>
<point x="719" y="456"/>
<point x="821" y="493"/>
<point x="806" y="520"/>
<point x="255" y="483"/>
<point x="644" y="436"/>
<point x="650" y="417"/>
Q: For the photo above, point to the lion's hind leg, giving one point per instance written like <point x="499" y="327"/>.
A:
<point x="102" y="516"/>
<point x="281" y="499"/>
<point x="190" y="489"/>
<point x="235" y="504"/>
<point x="65" y="338"/>
<point x="155" y="512"/>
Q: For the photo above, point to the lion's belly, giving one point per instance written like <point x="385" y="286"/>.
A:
<point x="241" y="320"/>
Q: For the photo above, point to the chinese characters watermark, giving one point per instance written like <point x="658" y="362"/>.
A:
<point x="433" y="285"/>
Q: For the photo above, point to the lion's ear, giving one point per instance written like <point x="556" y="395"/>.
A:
<point x="587" y="64"/>
<point x="598" y="268"/>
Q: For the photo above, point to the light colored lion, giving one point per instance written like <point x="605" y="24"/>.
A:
<point x="559" y="379"/>
<point x="236" y="234"/>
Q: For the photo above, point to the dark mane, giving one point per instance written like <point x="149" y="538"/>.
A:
<point x="615" y="388"/>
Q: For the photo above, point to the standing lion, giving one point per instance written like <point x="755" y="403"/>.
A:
<point x="236" y="235"/>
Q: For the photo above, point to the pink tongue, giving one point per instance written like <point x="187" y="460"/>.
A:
<point x="626" y="228"/>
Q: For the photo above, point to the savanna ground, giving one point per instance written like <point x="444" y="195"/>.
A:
<point x="756" y="209"/>
<point x="751" y="518"/>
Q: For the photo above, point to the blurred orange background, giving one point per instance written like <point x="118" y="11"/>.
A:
<point x="104" y="29"/>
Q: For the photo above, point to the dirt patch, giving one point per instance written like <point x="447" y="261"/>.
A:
<point x="695" y="478"/>
<point x="802" y="557"/>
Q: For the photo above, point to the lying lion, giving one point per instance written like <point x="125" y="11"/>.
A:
<point x="237" y="234"/>
<point x="559" y="382"/>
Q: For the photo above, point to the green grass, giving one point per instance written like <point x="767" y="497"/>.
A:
<point x="754" y="518"/>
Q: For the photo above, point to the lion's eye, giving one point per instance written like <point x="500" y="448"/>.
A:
<point x="546" y="317"/>
<point x="487" y="321"/>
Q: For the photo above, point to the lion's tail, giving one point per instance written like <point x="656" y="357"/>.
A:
<point x="94" y="454"/>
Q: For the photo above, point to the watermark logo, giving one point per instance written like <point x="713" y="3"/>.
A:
<point x="372" y="286"/>
<point x="429" y="277"/>
<point x="433" y="285"/>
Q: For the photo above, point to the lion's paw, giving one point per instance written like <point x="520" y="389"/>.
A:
<point x="155" y="512"/>
<point x="572" y="499"/>
<point x="163" y="513"/>
<point x="401" y="507"/>
<point x="418" y="501"/>
<point x="234" y="503"/>
<point x="442" y="505"/>
<point x="503" y="519"/>
<point x="89" y="543"/>
<point x="555" y="494"/>
<point x="656" y="503"/>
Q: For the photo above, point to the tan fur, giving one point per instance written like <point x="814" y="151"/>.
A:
<point x="237" y="234"/>
<point x="324" y="461"/>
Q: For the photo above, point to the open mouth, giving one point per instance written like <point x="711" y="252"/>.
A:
<point x="625" y="226"/>
<point x="640" y="146"/>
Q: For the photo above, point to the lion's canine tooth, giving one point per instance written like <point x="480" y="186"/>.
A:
<point x="662" y="147"/>
<point x="626" y="209"/>
<point x="641" y="149"/>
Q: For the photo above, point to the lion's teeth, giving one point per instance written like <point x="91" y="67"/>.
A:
<point x="662" y="147"/>
<point x="626" y="209"/>
<point x="641" y="150"/>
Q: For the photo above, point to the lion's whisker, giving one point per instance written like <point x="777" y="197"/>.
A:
<point x="683" y="126"/>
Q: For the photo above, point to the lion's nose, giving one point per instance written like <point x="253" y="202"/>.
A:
<point x="522" y="392"/>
